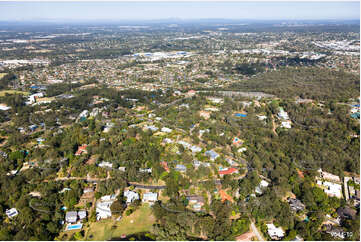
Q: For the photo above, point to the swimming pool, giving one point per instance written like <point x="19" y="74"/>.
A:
<point x="74" y="226"/>
<point x="240" y="115"/>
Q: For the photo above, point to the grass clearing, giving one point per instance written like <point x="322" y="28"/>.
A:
<point x="143" y="220"/>
<point x="2" y="74"/>
<point x="3" y="93"/>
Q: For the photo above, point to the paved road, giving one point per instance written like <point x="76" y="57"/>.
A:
<point x="243" y="94"/>
<point x="256" y="232"/>
<point x="146" y="186"/>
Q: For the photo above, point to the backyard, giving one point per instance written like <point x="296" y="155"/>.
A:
<point x="139" y="221"/>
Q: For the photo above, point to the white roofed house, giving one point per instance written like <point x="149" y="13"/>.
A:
<point x="282" y="114"/>
<point x="105" y="164"/>
<point x="131" y="196"/>
<point x="276" y="233"/>
<point x="150" y="197"/>
<point x="211" y="154"/>
<point x="145" y="170"/>
<point x="12" y="212"/>
<point x="103" y="207"/>
<point x="71" y="217"/>
<point x="166" y="130"/>
<point x="82" y="214"/>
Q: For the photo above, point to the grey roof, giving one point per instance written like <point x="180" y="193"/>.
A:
<point x="180" y="167"/>
<point x="71" y="216"/>
<point x="347" y="213"/>
<point x="195" y="198"/>
<point x="212" y="154"/>
<point x="82" y="214"/>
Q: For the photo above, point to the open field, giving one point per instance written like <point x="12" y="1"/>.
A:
<point x="107" y="229"/>
<point x="2" y="74"/>
<point x="2" y="93"/>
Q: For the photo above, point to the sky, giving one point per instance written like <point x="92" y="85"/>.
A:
<point x="96" y="10"/>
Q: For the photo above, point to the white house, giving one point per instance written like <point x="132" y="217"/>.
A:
<point x="166" y="130"/>
<point x="12" y="212"/>
<point x="32" y="98"/>
<point x="282" y="114"/>
<point x="150" y="197"/>
<point x="4" y="107"/>
<point x="103" y="210"/>
<point x="105" y="164"/>
<point x="286" y="124"/>
<point x="145" y="170"/>
<point x="71" y="217"/>
<point x="131" y="196"/>
<point x="151" y="127"/>
<point x="275" y="233"/>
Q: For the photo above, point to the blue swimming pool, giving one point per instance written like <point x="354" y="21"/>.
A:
<point x="240" y="115"/>
<point x="74" y="226"/>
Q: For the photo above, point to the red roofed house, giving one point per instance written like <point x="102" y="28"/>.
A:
<point x="165" y="165"/>
<point x="81" y="150"/>
<point x="228" y="171"/>
<point x="191" y="93"/>
<point x="225" y="196"/>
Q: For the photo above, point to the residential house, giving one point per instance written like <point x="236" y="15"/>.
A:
<point x="295" y="204"/>
<point x="346" y="213"/>
<point x="168" y="141"/>
<point x="145" y="170"/>
<point x="282" y="114"/>
<point x="215" y="100"/>
<point x="87" y="196"/>
<point x="151" y="127"/>
<point x="330" y="188"/>
<point x="166" y="130"/>
<point x="276" y="233"/>
<point x="105" y="164"/>
<point x="71" y="217"/>
<point x="261" y="117"/>
<point x="131" y="196"/>
<point x="211" y="154"/>
<point x="82" y="214"/>
<point x="4" y="107"/>
<point x="103" y="210"/>
<point x="150" y="197"/>
<point x="286" y="124"/>
<point x="262" y="185"/>
<point x="204" y="114"/>
<point x="180" y="168"/>
<point x="228" y="171"/>
<point x="196" y="202"/>
<point x="231" y="162"/>
<point x="108" y="127"/>
<point x="81" y="150"/>
<point x="103" y="207"/>
<point x="165" y="165"/>
<point x="12" y="212"/>
<point x="328" y="176"/>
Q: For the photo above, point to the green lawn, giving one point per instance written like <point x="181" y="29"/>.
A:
<point x="107" y="229"/>
<point x="2" y="93"/>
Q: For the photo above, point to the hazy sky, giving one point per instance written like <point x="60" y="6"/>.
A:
<point x="184" y="10"/>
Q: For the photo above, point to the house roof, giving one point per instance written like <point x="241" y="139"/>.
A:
<point x="150" y="196"/>
<point x="81" y="149"/>
<point x="195" y="198"/>
<point x="228" y="171"/>
<point x="225" y="196"/>
<point x="346" y="212"/>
